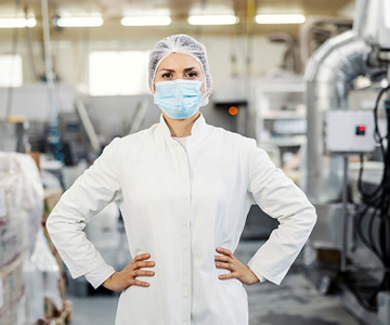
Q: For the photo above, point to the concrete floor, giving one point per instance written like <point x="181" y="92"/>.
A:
<point x="294" y="302"/>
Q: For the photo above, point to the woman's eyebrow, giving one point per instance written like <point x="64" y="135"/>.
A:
<point x="185" y="70"/>
<point x="169" y="70"/>
<point x="191" y="68"/>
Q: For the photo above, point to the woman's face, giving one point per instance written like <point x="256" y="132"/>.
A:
<point x="179" y="66"/>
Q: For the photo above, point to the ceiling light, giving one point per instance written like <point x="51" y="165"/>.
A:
<point x="17" y="22"/>
<point x="31" y="22"/>
<point x="212" y="19"/>
<point x="281" y="19"/>
<point x="146" y="21"/>
<point x="79" y="21"/>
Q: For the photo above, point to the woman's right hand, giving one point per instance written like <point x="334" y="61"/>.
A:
<point x="127" y="277"/>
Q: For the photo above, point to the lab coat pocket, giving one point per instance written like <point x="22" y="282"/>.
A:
<point x="241" y="305"/>
<point x="234" y="302"/>
<point x="125" y="312"/>
<point x="135" y="302"/>
<point x="122" y="311"/>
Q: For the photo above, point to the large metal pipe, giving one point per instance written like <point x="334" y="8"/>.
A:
<point x="360" y="19"/>
<point x="329" y="75"/>
<point x="306" y="31"/>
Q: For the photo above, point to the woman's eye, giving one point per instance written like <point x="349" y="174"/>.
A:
<point x="192" y="74"/>
<point x="166" y="75"/>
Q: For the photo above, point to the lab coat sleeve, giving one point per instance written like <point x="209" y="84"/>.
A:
<point x="280" y="198"/>
<point x="91" y="192"/>
<point x="98" y="276"/>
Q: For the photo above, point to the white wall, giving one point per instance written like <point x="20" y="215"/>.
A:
<point x="113" y="114"/>
<point x="32" y="100"/>
<point x="70" y="58"/>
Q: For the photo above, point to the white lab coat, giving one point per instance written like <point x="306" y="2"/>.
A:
<point x="181" y="222"/>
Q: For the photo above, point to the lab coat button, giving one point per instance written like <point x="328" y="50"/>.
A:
<point x="185" y="294"/>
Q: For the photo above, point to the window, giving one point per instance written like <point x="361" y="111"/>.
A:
<point x="118" y="73"/>
<point x="11" y="73"/>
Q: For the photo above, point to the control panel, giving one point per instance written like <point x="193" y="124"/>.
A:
<point x="349" y="131"/>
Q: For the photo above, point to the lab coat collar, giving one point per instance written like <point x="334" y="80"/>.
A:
<point x="199" y="129"/>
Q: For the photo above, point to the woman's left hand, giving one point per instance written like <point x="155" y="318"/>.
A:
<point x="238" y="270"/>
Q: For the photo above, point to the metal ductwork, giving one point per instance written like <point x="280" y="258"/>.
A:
<point x="329" y="75"/>
<point x="307" y="30"/>
<point x="292" y="51"/>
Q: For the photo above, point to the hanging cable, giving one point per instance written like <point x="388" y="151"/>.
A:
<point x="15" y="38"/>
<point x="250" y="30"/>
<point x="29" y="46"/>
<point x="54" y="134"/>
<point x="374" y="210"/>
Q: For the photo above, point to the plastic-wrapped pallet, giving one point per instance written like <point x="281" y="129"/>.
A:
<point x="12" y="238"/>
<point x="13" y="310"/>
<point x="28" y="271"/>
<point x="21" y="196"/>
<point x="13" y="234"/>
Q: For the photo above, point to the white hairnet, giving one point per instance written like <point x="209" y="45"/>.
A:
<point x="180" y="44"/>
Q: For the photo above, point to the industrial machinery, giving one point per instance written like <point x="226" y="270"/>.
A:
<point x="349" y="251"/>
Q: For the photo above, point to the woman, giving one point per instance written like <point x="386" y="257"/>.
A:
<point x="184" y="189"/>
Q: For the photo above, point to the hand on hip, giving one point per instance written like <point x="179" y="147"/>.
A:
<point x="127" y="277"/>
<point x="238" y="270"/>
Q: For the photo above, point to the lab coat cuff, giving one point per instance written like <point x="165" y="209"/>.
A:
<point x="271" y="278"/>
<point x="97" y="277"/>
<point x="260" y="277"/>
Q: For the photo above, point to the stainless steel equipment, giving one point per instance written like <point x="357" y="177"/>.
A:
<point x="329" y="76"/>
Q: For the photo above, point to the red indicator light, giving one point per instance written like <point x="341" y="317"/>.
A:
<point x="362" y="128"/>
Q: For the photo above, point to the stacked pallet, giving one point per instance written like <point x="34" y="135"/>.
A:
<point x="32" y="276"/>
<point x="13" y="245"/>
<point x="52" y="196"/>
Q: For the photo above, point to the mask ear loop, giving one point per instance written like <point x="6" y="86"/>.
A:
<point x="204" y="93"/>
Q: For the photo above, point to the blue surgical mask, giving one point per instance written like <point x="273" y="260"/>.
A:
<point x="178" y="99"/>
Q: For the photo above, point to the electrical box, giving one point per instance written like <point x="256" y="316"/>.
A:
<point x="349" y="131"/>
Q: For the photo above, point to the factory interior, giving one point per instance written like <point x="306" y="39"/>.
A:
<point x="308" y="80"/>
